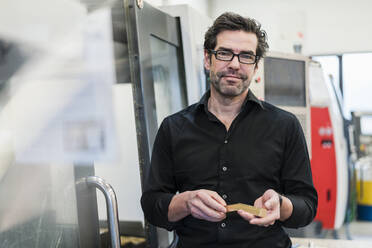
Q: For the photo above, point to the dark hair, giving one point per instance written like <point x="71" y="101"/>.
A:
<point x="232" y="21"/>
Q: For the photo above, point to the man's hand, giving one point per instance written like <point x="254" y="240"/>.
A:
<point x="202" y="204"/>
<point x="206" y="205"/>
<point x="270" y="201"/>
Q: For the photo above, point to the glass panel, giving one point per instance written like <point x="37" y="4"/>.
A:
<point x="169" y="94"/>
<point x="331" y="68"/>
<point x="38" y="83"/>
<point x="38" y="205"/>
<point x="285" y="82"/>
<point x="357" y="81"/>
<point x="37" y="201"/>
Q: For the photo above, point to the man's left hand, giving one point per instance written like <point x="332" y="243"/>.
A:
<point x="270" y="201"/>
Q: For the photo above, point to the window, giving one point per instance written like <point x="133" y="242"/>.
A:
<point x="354" y="76"/>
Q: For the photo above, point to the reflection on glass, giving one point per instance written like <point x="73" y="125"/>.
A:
<point x="37" y="201"/>
<point x="38" y="206"/>
<point x="169" y="94"/>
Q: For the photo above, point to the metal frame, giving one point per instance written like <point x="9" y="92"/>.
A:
<point x="141" y="24"/>
<point x="138" y="101"/>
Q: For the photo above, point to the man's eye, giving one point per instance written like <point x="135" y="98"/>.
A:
<point x="224" y="53"/>
<point x="246" y="56"/>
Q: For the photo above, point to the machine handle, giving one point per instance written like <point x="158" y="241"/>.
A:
<point x="112" y="207"/>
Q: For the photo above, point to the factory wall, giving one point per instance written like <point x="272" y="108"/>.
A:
<point x="332" y="26"/>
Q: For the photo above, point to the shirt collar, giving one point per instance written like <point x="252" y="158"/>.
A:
<point x="250" y="98"/>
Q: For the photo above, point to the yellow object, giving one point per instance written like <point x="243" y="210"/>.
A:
<point x="260" y="212"/>
<point x="134" y="240"/>
<point x="364" y="191"/>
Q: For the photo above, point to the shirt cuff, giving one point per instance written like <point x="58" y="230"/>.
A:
<point x="163" y="205"/>
<point x="299" y="214"/>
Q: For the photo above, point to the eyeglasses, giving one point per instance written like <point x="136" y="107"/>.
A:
<point x="244" y="58"/>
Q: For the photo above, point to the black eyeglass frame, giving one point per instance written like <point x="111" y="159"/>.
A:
<point x="256" y="57"/>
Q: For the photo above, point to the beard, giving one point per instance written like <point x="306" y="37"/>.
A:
<point x="229" y="88"/>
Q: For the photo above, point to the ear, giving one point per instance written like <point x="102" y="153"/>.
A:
<point x="207" y="61"/>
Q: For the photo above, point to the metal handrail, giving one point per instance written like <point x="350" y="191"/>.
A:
<point x="112" y="207"/>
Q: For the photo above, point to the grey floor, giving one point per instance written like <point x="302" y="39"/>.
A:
<point x="358" y="230"/>
<point x="358" y="234"/>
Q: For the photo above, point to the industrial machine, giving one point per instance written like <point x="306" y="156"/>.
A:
<point x="362" y="133"/>
<point x="282" y="80"/>
<point x="329" y="150"/>
<point x="363" y="150"/>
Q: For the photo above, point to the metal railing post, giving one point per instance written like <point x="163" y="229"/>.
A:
<point x="112" y="207"/>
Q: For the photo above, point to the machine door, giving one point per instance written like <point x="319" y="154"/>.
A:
<point x="157" y="75"/>
<point x="49" y="203"/>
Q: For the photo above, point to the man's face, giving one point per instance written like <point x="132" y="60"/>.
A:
<point x="232" y="78"/>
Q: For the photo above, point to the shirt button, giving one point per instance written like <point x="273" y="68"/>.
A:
<point x="225" y="142"/>
<point x="224" y="168"/>
<point x="223" y="224"/>
<point x="224" y="196"/>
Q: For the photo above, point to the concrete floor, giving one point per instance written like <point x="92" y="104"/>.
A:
<point x="358" y="230"/>
<point x="360" y="233"/>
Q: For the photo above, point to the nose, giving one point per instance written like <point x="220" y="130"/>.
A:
<point x="234" y="63"/>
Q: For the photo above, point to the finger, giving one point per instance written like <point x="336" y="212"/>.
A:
<point x="207" y="211"/>
<point x="211" y="202"/>
<point x="245" y="215"/>
<point x="197" y="213"/>
<point x="270" y="218"/>
<point x="270" y="224"/>
<point x="260" y="222"/>
<point x="258" y="203"/>
<point x="271" y="203"/>
<point x="218" y="198"/>
<point x="263" y="221"/>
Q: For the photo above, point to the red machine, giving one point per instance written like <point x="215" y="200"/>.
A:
<point x="329" y="150"/>
<point x="323" y="165"/>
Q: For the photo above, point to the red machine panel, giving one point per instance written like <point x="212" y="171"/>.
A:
<point x="323" y="164"/>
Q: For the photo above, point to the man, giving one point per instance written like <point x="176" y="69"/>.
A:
<point x="230" y="148"/>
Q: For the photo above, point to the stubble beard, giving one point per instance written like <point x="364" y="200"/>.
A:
<point x="231" y="91"/>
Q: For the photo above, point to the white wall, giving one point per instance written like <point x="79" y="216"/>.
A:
<point x="328" y="26"/>
<point x="201" y="6"/>
<point x="331" y="26"/>
<point x="123" y="175"/>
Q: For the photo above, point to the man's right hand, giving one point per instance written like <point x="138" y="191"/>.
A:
<point x="202" y="204"/>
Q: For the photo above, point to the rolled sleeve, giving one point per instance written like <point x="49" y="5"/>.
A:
<point x="303" y="212"/>
<point x="297" y="182"/>
<point x="155" y="206"/>
<point x="160" y="187"/>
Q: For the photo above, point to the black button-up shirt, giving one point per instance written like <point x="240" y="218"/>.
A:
<point x="263" y="149"/>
